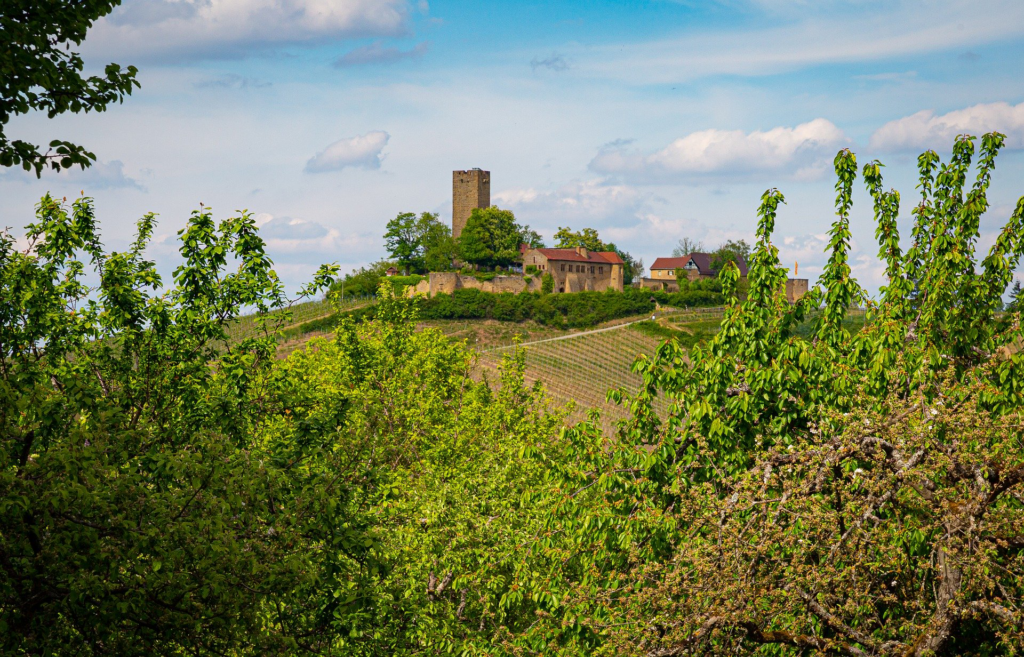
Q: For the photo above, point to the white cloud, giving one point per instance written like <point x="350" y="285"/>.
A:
<point x="363" y="151"/>
<point x="805" y="148"/>
<point x="287" y="228"/>
<point x="809" y="34"/>
<point x="925" y="129"/>
<point x="192" y="29"/>
<point x="589" y="203"/>
<point x="101" y="175"/>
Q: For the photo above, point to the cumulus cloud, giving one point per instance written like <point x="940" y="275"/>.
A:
<point x="287" y="228"/>
<point x="804" y="149"/>
<point x="553" y="62"/>
<point x="376" y="53"/>
<point x="925" y="129"/>
<point x="101" y="175"/>
<point x="596" y="202"/>
<point x="363" y="152"/>
<point x="191" y="29"/>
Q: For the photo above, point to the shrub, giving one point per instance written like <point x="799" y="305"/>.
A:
<point x="547" y="283"/>
<point x="578" y="310"/>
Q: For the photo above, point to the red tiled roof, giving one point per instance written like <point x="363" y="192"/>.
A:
<point x="670" y="263"/>
<point x="570" y="255"/>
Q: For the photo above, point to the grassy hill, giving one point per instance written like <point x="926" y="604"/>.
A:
<point x="578" y="365"/>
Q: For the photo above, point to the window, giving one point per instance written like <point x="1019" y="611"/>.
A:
<point x="563" y="267"/>
<point x="591" y="269"/>
<point x="600" y="270"/>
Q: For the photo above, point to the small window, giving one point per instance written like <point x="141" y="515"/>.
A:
<point x="600" y="270"/>
<point x="563" y="267"/>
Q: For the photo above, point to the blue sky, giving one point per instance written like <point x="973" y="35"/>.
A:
<point x="649" y="121"/>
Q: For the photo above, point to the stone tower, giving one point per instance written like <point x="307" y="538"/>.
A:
<point x="470" y="189"/>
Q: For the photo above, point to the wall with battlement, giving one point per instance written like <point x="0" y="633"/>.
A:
<point x="449" y="281"/>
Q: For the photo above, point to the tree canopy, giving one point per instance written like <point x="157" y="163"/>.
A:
<point x="730" y="251"/>
<point x="420" y="244"/>
<point x="38" y="71"/>
<point x="811" y="490"/>
<point x="491" y="238"/>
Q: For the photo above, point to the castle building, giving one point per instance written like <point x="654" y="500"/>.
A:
<point x="470" y="189"/>
<point x="577" y="270"/>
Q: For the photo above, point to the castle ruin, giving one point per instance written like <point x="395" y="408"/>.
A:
<point x="470" y="189"/>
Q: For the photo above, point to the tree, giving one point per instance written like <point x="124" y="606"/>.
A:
<point x="633" y="269"/>
<point x="362" y="282"/>
<point x="144" y="509"/>
<point x="38" y="71"/>
<point x="1015" y="292"/>
<point x="812" y="491"/>
<point x="730" y="251"/>
<point x="687" y="246"/>
<point x="587" y="238"/>
<point x="439" y="248"/>
<point x="492" y="237"/>
<point x="403" y="241"/>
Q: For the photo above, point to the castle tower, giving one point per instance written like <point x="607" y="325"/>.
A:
<point x="470" y="189"/>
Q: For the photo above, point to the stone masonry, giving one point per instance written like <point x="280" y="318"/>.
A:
<point x="449" y="281"/>
<point x="470" y="189"/>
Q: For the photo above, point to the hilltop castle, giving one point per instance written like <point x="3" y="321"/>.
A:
<point x="470" y="189"/>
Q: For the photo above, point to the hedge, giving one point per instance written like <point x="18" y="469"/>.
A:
<point x="572" y="310"/>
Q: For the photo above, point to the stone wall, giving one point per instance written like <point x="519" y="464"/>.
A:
<point x="795" y="289"/>
<point x="470" y="189"/>
<point x="449" y="281"/>
<point x="660" y="284"/>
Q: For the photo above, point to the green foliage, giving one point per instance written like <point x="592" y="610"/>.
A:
<point x="577" y="310"/>
<point x="402" y="241"/>
<point x="851" y="493"/>
<point x="730" y="251"/>
<point x="491" y="238"/>
<point x="38" y="71"/>
<point x="1014" y="304"/>
<point x="547" y="283"/>
<point x="141" y="513"/>
<point x="445" y="498"/>
<point x="586" y="238"/>
<point x="362" y="282"/>
<point x="439" y="247"/>
<point x="419" y="244"/>
<point x="162" y="493"/>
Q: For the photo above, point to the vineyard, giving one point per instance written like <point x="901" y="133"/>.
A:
<point x="581" y="368"/>
<point x="249" y="326"/>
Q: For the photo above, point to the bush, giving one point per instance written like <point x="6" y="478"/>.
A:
<point x="547" y="284"/>
<point x="578" y="310"/>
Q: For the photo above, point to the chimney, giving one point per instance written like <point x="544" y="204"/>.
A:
<point x="582" y="251"/>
